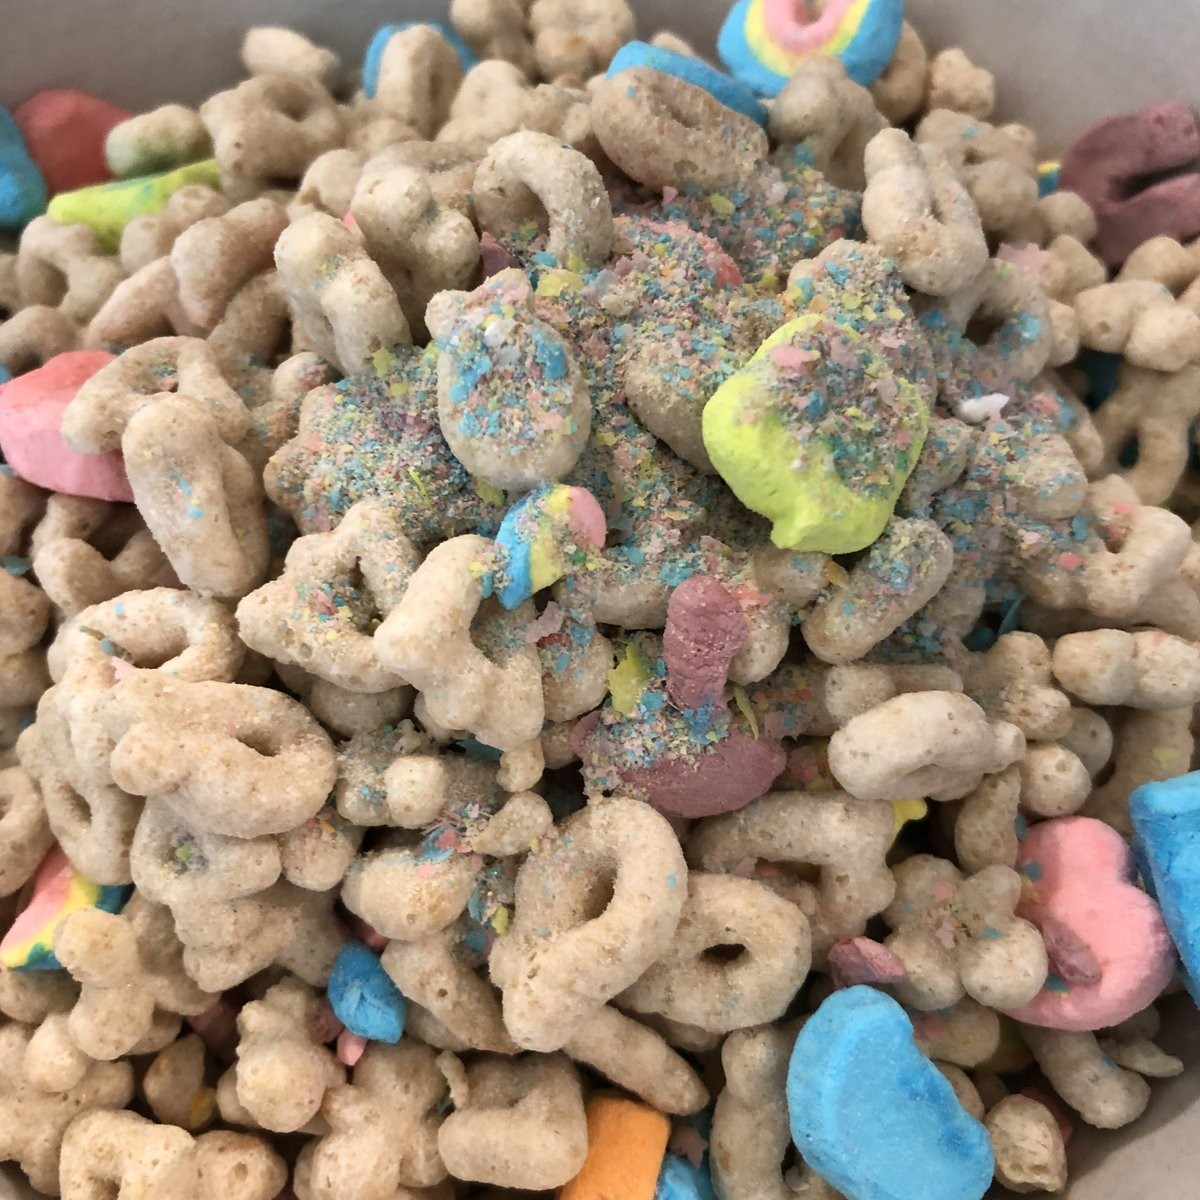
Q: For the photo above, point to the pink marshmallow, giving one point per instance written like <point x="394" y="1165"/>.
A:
<point x="1109" y="949"/>
<point x="860" y="960"/>
<point x="705" y="629"/>
<point x="350" y="1047"/>
<point x="31" y="410"/>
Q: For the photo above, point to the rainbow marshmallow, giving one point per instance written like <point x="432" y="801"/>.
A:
<point x="58" y="889"/>
<point x="763" y="41"/>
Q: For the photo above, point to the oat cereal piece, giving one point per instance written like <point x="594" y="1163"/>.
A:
<point x="124" y="1153"/>
<point x="436" y="976"/>
<point x="1013" y="682"/>
<point x="1104" y="1095"/>
<point x="335" y="590"/>
<point x="1141" y="320"/>
<point x="523" y="1127"/>
<point x="754" y="987"/>
<point x="998" y="170"/>
<point x="338" y="294"/>
<point x="274" y="50"/>
<point x="33" y="336"/>
<point x="1139" y="670"/>
<point x="495" y="29"/>
<point x="941" y="746"/>
<point x="150" y="236"/>
<point x="419" y="73"/>
<point x="92" y="819"/>
<point x="527" y="174"/>
<point x="159" y="140"/>
<point x="494" y="351"/>
<point x="958" y="935"/>
<point x="133" y="982"/>
<point x="637" y="923"/>
<point x="1030" y="1152"/>
<point x="903" y="570"/>
<point x="750" y="1132"/>
<point x="175" y="1089"/>
<point x="216" y="256"/>
<point x="283" y="1072"/>
<point x="956" y="83"/>
<point x="24" y="831"/>
<point x="34" y="1122"/>
<point x="915" y="209"/>
<point x="1147" y="746"/>
<point x="427" y="640"/>
<point x="900" y="90"/>
<point x="638" y="1059"/>
<point x="776" y="837"/>
<point x="200" y="497"/>
<point x="664" y="132"/>
<point x="269" y="128"/>
<point x="63" y="267"/>
<point x="578" y="37"/>
<point x="1157" y="426"/>
<point x="156" y="372"/>
<point x="383" y="1129"/>
<point x="231" y="759"/>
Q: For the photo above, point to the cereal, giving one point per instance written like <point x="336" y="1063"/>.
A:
<point x="523" y="1127"/>
<point x="664" y="132"/>
<point x="915" y="209"/>
<point x="578" y="37"/>
<point x="283" y="1071"/>
<point x="1104" y="1095"/>
<point x="1027" y="1143"/>
<point x="923" y="763"/>
<point x="35" y="1122"/>
<point x="166" y="137"/>
<point x="315" y="616"/>
<point x="273" y="50"/>
<point x="23" y="192"/>
<point x="618" y="840"/>
<point x="836" y="497"/>
<point x="338" y="294"/>
<point x="955" y="935"/>
<point x="64" y="130"/>
<point x="752" y="989"/>
<point x="383" y="1127"/>
<point x="622" y="579"/>
<point x="62" y="267"/>
<point x="956" y="83"/>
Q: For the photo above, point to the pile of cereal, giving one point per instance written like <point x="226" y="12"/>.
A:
<point x="576" y="620"/>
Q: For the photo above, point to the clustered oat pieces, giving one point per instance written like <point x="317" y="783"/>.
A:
<point x="608" y="580"/>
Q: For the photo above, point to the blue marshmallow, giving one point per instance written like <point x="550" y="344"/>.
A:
<point x="374" y="56"/>
<point x="363" y="996"/>
<point x="716" y="83"/>
<point x="1166" y="829"/>
<point x="679" y="1180"/>
<point x="872" y="1115"/>
<point x="23" y="193"/>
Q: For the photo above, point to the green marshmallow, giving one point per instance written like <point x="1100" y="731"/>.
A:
<point x="817" y="434"/>
<point x="106" y="208"/>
